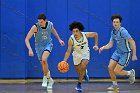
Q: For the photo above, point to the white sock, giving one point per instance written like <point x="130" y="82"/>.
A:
<point x="50" y="79"/>
<point x="114" y="83"/>
<point x="128" y="73"/>
<point x="44" y="78"/>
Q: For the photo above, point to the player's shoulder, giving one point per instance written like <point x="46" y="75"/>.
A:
<point x="113" y="30"/>
<point x="123" y="30"/>
<point x="36" y="24"/>
<point x="50" y="22"/>
<point x="84" y="32"/>
<point x="72" y="36"/>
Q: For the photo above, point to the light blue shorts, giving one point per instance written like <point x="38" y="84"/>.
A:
<point x="41" y="49"/>
<point x="121" y="58"/>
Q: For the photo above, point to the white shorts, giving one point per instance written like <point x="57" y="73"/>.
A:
<point x="77" y="58"/>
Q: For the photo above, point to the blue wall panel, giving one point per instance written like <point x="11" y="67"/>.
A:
<point x="17" y="17"/>
<point x="12" y="33"/>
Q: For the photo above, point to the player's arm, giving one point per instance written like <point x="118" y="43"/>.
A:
<point x="107" y="46"/>
<point x="132" y="42"/>
<point x="28" y="37"/>
<point x="67" y="54"/>
<point x="127" y="36"/>
<point x="93" y="35"/>
<point x="56" y="35"/>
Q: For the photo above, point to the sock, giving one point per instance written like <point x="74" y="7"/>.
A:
<point x="44" y="77"/>
<point x="128" y="73"/>
<point x="114" y="83"/>
<point x="50" y="79"/>
<point x="79" y="83"/>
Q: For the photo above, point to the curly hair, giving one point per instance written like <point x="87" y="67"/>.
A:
<point x="77" y="25"/>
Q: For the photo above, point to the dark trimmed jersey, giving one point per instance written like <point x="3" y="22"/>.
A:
<point x="121" y="38"/>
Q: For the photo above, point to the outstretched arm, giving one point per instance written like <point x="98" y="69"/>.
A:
<point x="108" y="46"/>
<point x="28" y="37"/>
<point x="93" y="35"/>
<point x="67" y="54"/>
<point x="56" y="35"/>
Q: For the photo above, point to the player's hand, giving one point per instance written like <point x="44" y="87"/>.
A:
<point x="95" y="48"/>
<point x="134" y="58"/>
<point x="61" y="42"/>
<point x="101" y="49"/>
<point x="31" y="53"/>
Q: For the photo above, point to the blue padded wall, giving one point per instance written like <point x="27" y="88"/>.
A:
<point x="17" y="17"/>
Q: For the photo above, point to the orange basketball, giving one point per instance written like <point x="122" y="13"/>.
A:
<point x="63" y="66"/>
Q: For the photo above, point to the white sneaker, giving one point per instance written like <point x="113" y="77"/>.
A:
<point x="113" y="87"/>
<point x="44" y="82"/>
<point x="50" y="84"/>
<point x="132" y="76"/>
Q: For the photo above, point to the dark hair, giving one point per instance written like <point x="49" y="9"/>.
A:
<point x="42" y="16"/>
<point x="116" y="16"/>
<point x="76" y="25"/>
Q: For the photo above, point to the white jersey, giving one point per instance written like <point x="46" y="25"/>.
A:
<point x="80" y="48"/>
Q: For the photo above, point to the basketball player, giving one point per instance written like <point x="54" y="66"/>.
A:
<point x="78" y="41"/>
<point x="125" y="45"/>
<point x="43" y="45"/>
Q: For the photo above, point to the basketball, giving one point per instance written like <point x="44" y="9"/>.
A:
<point x="63" y="66"/>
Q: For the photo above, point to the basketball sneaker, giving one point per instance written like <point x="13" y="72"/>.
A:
<point x="113" y="87"/>
<point x="78" y="88"/>
<point x="86" y="76"/>
<point x="132" y="76"/>
<point x="50" y="83"/>
<point x="44" y="82"/>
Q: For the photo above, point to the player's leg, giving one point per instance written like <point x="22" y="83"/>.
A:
<point x="131" y="73"/>
<point x="81" y="71"/>
<point x="123" y="62"/>
<point x="111" y="67"/>
<point x="46" y="71"/>
<point x="48" y="50"/>
<point x="78" y="70"/>
<point x="86" y="57"/>
<point x="78" y="87"/>
<point x="112" y="64"/>
<point x="119" y="70"/>
<point x="86" y="76"/>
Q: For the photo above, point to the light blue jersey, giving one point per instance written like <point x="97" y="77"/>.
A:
<point x="43" y="39"/>
<point x="122" y="54"/>
<point x="121" y="38"/>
